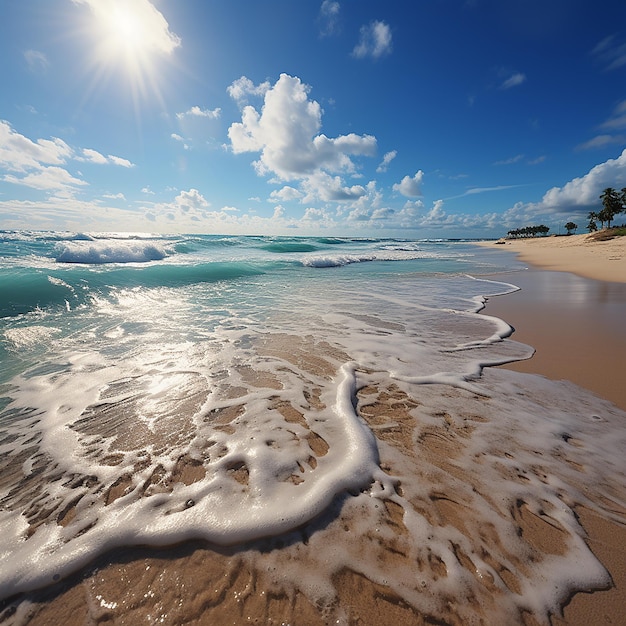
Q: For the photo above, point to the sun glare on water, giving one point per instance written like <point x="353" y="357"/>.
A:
<point x="128" y="36"/>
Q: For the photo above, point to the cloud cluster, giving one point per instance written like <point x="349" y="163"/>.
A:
<point x="38" y="164"/>
<point x="286" y="134"/>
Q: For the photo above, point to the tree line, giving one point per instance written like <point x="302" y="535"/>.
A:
<point x="529" y="231"/>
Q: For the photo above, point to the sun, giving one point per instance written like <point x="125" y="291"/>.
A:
<point x="129" y="37"/>
<point x="124" y="32"/>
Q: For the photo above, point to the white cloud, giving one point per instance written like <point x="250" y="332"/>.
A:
<point x="190" y="200"/>
<point x="375" y="41"/>
<point x="329" y="17"/>
<point x="114" y="196"/>
<point x="410" y="187"/>
<point x="177" y="137"/>
<point x="516" y="159"/>
<point x="279" y="212"/>
<point x="196" y="111"/>
<point x="120" y="161"/>
<point x="617" y="119"/>
<point x="601" y="141"/>
<point x="287" y="134"/>
<point x="611" y="52"/>
<point x="286" y="194"/>
<point x="36" y="164"/>
<point x="322" y="186"/>
<point x="51" y="178"/>
<point x="93" y="156"/>
<point x="18" y="153"/>
<point x="513" y="81"/>
<point x="585" y="191"/>
<point x="387" y="159"/>
<point x="36" y="60"/>
<point x="146" y="22"/>
<point x="243" y="87"/>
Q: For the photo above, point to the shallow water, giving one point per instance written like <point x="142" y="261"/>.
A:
<point x="229" y="389"/>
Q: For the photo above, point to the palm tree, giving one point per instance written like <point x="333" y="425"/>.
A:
<point x="612" y="205"/>
<point x="570" y="226"/>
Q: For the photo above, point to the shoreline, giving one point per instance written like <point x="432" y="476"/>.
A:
<point x="570" y="308"/>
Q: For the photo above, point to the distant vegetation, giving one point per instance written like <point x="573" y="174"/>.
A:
<point x="529" y="231"/>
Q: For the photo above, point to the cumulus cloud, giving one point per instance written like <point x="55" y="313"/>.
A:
<point x="387" y="159"/>
<point x="196" y="111"/>
<point x="150" y="23"/>
<point x="286" y="133"/>
<point x="285" y="194"/>
<point x="190" y="200"/>
<point x="513" y="81"/>
<point x="243" y="87"/>
<point x="322" y="186"/>
<point x="585" y="191"/>
<point x="410" y="187"/>
<point x="375" y="41"/>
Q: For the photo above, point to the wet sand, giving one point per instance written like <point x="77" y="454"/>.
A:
<point x="576" y="326"/>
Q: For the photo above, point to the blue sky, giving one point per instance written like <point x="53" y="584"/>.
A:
<point x="421" y="118"/>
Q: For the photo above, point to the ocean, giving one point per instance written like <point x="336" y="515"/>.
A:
<point x="321" y="401"/>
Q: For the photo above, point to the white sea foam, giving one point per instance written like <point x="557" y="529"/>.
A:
<point x="385" y="253"/>
<point x="110" y="251"/>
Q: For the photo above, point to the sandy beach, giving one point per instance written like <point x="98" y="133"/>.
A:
<point x="573" y="316"/>
<point x="584" y="255"/>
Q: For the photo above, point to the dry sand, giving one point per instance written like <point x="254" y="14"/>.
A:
<point x="576" y="325"/>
